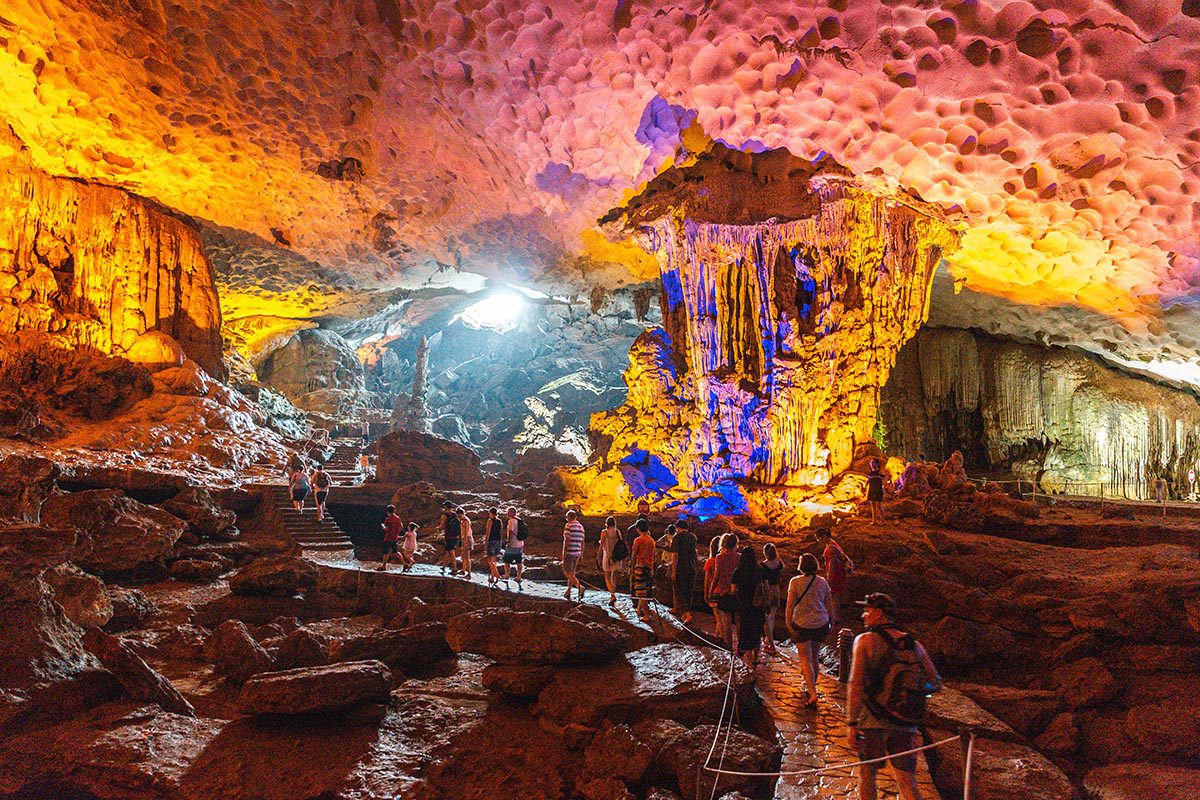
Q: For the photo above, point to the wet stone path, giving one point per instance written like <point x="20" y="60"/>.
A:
<point x="813" y="739"/>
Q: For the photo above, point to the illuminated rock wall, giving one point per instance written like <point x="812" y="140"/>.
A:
<point x="98" y="266"/>
<point x="1048" y="413"/>
<point x="777" y="333"/>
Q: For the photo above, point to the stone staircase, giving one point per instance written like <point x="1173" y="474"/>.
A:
<point x="304" y="528"/>
<point x="342" y="466"/>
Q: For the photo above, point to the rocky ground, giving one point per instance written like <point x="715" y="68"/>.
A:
<point x="169" y="642"/>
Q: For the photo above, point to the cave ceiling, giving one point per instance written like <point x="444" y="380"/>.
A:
<point x="390" y="142"/>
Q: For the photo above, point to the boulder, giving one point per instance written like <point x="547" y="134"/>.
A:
<point x="300" y="648"/>
<point x="116" y="751"/>
<point x="25" y="482"/>
<point x="410" y="456"/>
<point x="198" y="570"/>
<point x="957" y="643"/>
<point x="616" y="753"/>
<point x="1170" y="727"/>
<point x="155" y="351"/>
<point x="531" y="637"/>
<point x="1139" y="781"/>
<point x="129" y="608"/>
<point x="275" y="575"/>
<point x="674" y="681"/>
<point x="994" y="774"/>
<point x="134" y="675"/>
<point x="997" y="749"/>
<point x="604" y="789"/>
<point x="1086" y="682"/>
<point x="234" y="653"/>
<point x="1027" y="711"/>
<point x="742" y="752"/>
<point x="39" y="643"/>
<point x="1060" y="738"/>
<point x="316" y="689"/>
<point x="196" y="507"/>
<point x="520" y="681"/>
<point x="128" y="537"/>
<point x="419" y="645"/>
<point x="83" y="597"/>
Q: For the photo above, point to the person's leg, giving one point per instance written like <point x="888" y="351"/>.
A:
<point x="769" y="631"/>
<point x="866" y="782"/>
<point x="467" y="560"/>
<point x="520" y="566"/>
<point x="880" y="504"/>
<point x="805" y="652"/>
<point x="610" y="582"/>
<point x="906" y="781"/>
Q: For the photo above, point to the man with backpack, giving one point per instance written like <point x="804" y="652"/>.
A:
<point x="516" y="532"/>
<point x="891" y="678"/>
<point x="322" y="483"/>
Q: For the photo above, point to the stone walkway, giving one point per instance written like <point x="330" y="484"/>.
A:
<point x="812" y="739"/>
<point x="809" y="739"/>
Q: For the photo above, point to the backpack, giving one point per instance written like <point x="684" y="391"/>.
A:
<point x="761" y="598"/>
<point x="620" y="549"/>
<point x="897" y="689"/>
<point x="522" y="530"/>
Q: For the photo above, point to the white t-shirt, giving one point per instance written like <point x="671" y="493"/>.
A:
<point x="514" y="542"/>
<point x="813" y="610"/>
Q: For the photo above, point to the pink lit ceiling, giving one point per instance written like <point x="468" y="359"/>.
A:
<point x="489" y="136"/>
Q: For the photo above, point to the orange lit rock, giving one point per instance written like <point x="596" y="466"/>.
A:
<point x="788" y="288"/>
<point x="99" y="266"/>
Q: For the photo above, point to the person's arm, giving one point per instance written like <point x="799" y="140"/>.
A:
<point x="855" y="688"/>
<point x="787" y="611"/>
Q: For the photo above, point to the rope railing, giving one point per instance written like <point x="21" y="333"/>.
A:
<point x="719" y="770"/>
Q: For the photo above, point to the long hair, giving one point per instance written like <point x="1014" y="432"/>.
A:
<point x="748" y="566"/>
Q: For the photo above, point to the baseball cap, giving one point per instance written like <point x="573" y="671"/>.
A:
<point x="879" y="600"/>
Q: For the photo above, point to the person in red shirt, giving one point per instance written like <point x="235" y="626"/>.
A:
<point x="392" y="528"/>
<point x="723" y="590"/>
<point x="643" y="569"/>
<point x="838" y="567"/>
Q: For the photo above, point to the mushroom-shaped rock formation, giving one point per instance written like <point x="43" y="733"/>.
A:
<point x="788" y="287"/>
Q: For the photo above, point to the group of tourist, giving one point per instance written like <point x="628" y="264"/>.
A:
<point x="302" y="482"/>
<point x="745" y="594"/>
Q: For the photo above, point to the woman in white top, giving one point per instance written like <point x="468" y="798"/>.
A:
<point x="809" y="617"/>
<point x="608" y="540"/>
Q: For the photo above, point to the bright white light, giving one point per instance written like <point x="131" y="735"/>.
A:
<point x="498" y="312"/>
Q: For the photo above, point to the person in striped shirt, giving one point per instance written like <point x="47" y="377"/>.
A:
<point x="573" y="537"/>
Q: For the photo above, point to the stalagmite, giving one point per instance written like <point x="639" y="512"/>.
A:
<point x="411" y="413"/>
<point x="787" y="289"/>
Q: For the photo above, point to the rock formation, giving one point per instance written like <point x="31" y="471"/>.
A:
<point x="318" y="371"/>
<point x="1049" y="414"/>
<point x="101" y="267"/>
<point x="411" y="412"/>
<point x="787" y="290"/>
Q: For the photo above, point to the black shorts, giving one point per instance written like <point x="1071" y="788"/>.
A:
<point x="513" y="555"/>
<point x="494" y="548"/>
<point x="880" y="742"/>
<point x="320" y="496"/>
<point x="298" y="495"/>
<point x="390" y="547"/>
<point x="812" y="634"/>
<point x="727" y="603"/>
<point x="452" y="544"/>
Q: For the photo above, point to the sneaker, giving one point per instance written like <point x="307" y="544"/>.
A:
<point x="567" y="594"/>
